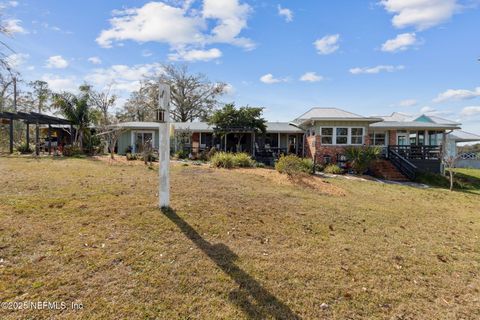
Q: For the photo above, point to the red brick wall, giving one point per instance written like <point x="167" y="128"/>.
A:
<point x="392" y="137"/>
<point x="331" y="150"/>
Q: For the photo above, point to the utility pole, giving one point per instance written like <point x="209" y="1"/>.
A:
<point x="163" y="117"/>
<point x="15" y="93"/>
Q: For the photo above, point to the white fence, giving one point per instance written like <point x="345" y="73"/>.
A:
<point x="469" y="160"/>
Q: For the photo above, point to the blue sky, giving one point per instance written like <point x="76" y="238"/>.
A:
<point x="369" y="57"/>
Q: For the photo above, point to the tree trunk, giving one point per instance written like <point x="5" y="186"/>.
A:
<point x="450" y="171"/>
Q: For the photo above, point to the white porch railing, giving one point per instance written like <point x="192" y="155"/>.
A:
<point x="470" y="156"/>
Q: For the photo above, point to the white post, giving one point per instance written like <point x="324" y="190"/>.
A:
<point x="164" y="147"/>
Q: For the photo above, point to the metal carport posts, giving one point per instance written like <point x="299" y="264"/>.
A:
<point x="33" y="118"/>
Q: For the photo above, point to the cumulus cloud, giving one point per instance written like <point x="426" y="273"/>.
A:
<point x="421" y="14"/>
<point x="15" y="60"/>
<point x="195" y="55"/>
<point x="183" y="28"/>
<point x="95" y="60"/>
<point x="56" y="62"/>
<point x="470" y="111"/>
<point x="457" y="94"/>
<point x="311" y="77"/>
<point x="377" y="69"/>
<point x="58" y="84"/>
<point x="287" y="14"/>
<point x="327" y="44"/>
<point x="14" y="26"/>
<point x="400" y="43"/>
<point x="123" y="77"/>
<point x="270" y="79"/>
<point x="407" y="103"/>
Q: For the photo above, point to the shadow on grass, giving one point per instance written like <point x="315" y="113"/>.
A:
<point x="251" y="297"/>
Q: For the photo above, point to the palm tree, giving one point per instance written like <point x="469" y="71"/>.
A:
<point x="75" y="108"/>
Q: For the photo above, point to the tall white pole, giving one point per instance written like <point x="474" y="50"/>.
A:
<point x="164" y="147"/>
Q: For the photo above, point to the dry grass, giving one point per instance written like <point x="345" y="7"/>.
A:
<point x="236" y="245"/>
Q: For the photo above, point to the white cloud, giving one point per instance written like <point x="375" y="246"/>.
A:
<point x="327" y="44"/>
<point x="427" y="109"/>
<point x="123" y="77"/>
<point x="457" y="94"/>
<point x="407" y="103"/>
<point x="183" y="28"/>
<point x="57" y="62"/>
<point x="147" y="53"/>
<point x="95" y="60"/>
<point x="311" y="77"/>
<point x="400" y="43"/>
<point x="270" y="79"/>
<point x="421" y="14"/>
<point x="470" y="111"/>
<point x="286" y="13"/>
<point x="15" y="60"/>
<point x="195" y="55"/>
<point x="14" y="26"/>
<point x="377" y="69"/>
<point x="59" y="84"/>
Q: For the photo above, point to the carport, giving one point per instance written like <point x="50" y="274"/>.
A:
<point x="37" y="119"/>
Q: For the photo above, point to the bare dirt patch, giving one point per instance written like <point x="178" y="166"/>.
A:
<point x="311" y="182"/>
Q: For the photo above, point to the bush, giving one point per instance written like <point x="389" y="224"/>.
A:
<point x="131" y="156"/>
<point x="25" y="148"/>
<point x="211" y="152"/>
<point x="181" y="154"/>
<point x="333" y="168"/>
<point x="361" y="157"/>
<point x="72" y="151"/>
<point x="243" y="160"/>
<point x="260" y="165"/>
<point x="293" y="165"/>
<point x="223" y="160"/>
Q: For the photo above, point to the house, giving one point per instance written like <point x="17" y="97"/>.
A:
<point x="411" y="143"/>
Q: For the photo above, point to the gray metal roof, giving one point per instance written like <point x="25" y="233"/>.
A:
<point x="333" y="114"/>
<point x="463" y="136"/>
<point x="413" y="125"/>
<point x="204" y="127"/>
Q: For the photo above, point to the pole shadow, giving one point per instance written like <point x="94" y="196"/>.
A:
<point x="254" y="300"/>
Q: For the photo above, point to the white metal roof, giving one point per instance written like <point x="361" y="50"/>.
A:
<point x="205" y="127"/>
<point x="399" y="120"/>
<point x="333" y="114"/>
<point x="463" y="136"/>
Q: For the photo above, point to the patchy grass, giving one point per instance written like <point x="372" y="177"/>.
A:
<point x="236" y="244"/>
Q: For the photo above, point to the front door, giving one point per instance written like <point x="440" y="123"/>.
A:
<point x="292" y="144"/>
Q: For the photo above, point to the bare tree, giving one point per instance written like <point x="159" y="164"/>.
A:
<point x="41" y="94"/>
<point x="193" y="96"/>
<point x="104" y="101"/>
<point x="449" y="162"/>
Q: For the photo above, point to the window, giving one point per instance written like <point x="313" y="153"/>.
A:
<point x="357" y="136"/>
<point x="342" y="136"/>
<point x="327" y="135"/>
<point x="377" y="139"/>
<point x="142" y="139"/>
<point x="206" y="139"/>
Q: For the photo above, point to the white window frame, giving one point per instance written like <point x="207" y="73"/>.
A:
<point x="133" y="135"/>
<point x="349" y="136"/>
<point x="374" y="139"/>
<point x="333" y="136"/>
<point x="342" y="136"/>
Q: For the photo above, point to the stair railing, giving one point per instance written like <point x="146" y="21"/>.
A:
<point x="403" y="165"/>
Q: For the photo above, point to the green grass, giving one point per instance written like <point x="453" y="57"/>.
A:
<point x="472" y="173"/>
<point x="236" y="245"/>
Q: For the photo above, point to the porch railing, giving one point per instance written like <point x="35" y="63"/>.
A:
<point x="402" y="164"/>
<point x="414" y="152"/>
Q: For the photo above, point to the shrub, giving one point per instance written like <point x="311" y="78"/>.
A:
<point x="222" y="160"/>
<point x="72" y="151"/>
<point x="361" y="157"/>
<point x="319" y="167"/>
<point x="243" y="160"/>
<point x="128" y="149"/>
<point x="260" y="165"/>
<point x="25" y="148"/>
<point x="293" y="165"/>
<point x="333" y="168"/>
<point x="131" y="156"/>
<point x="211" y="152"/>
<point x="181" y="154"/>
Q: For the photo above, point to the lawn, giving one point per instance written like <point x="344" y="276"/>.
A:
<point x="238" y="244"/>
